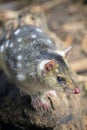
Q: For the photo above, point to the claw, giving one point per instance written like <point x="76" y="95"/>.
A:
<point x="38" y="103"/>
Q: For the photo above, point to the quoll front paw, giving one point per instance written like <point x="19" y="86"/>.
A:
<point x="51" y="93"/>
<point x="40" y="103"/>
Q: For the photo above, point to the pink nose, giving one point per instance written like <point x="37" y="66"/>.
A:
<point x="76" y="91"/>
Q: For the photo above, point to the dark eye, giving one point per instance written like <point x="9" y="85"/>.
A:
<point x="61" y="80"/>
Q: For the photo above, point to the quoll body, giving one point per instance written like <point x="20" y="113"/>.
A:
<point x="31" y="60"/>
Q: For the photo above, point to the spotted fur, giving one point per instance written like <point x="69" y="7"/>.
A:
<point x="24" y="56"/>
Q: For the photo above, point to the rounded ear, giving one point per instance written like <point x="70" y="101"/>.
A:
<point x="66" y="52"/>
<point x="49" y="66"/>
<point x="50" y="63"/>
<point x="46" y="65"/>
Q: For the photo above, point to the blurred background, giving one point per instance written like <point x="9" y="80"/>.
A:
<point x="65" y="21"/>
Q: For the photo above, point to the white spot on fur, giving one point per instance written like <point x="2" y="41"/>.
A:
<point x="48" y="40"/>
<point x="21" y="77"/>
<point x="19" y="65"/>
<point x="17" y="32"/>
<point x="19" y="39"/>
<point x="11" y="45"/>
<point x="2" y="48"/>
<point x="39" y="30"/>
<point x="33" y="36"/>
<point x="19" y="57"/>
<point x="7" y="43"/>
<point x="31" y="74"/>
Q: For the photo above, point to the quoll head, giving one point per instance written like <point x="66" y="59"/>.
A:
<point x="58" y="74"/>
